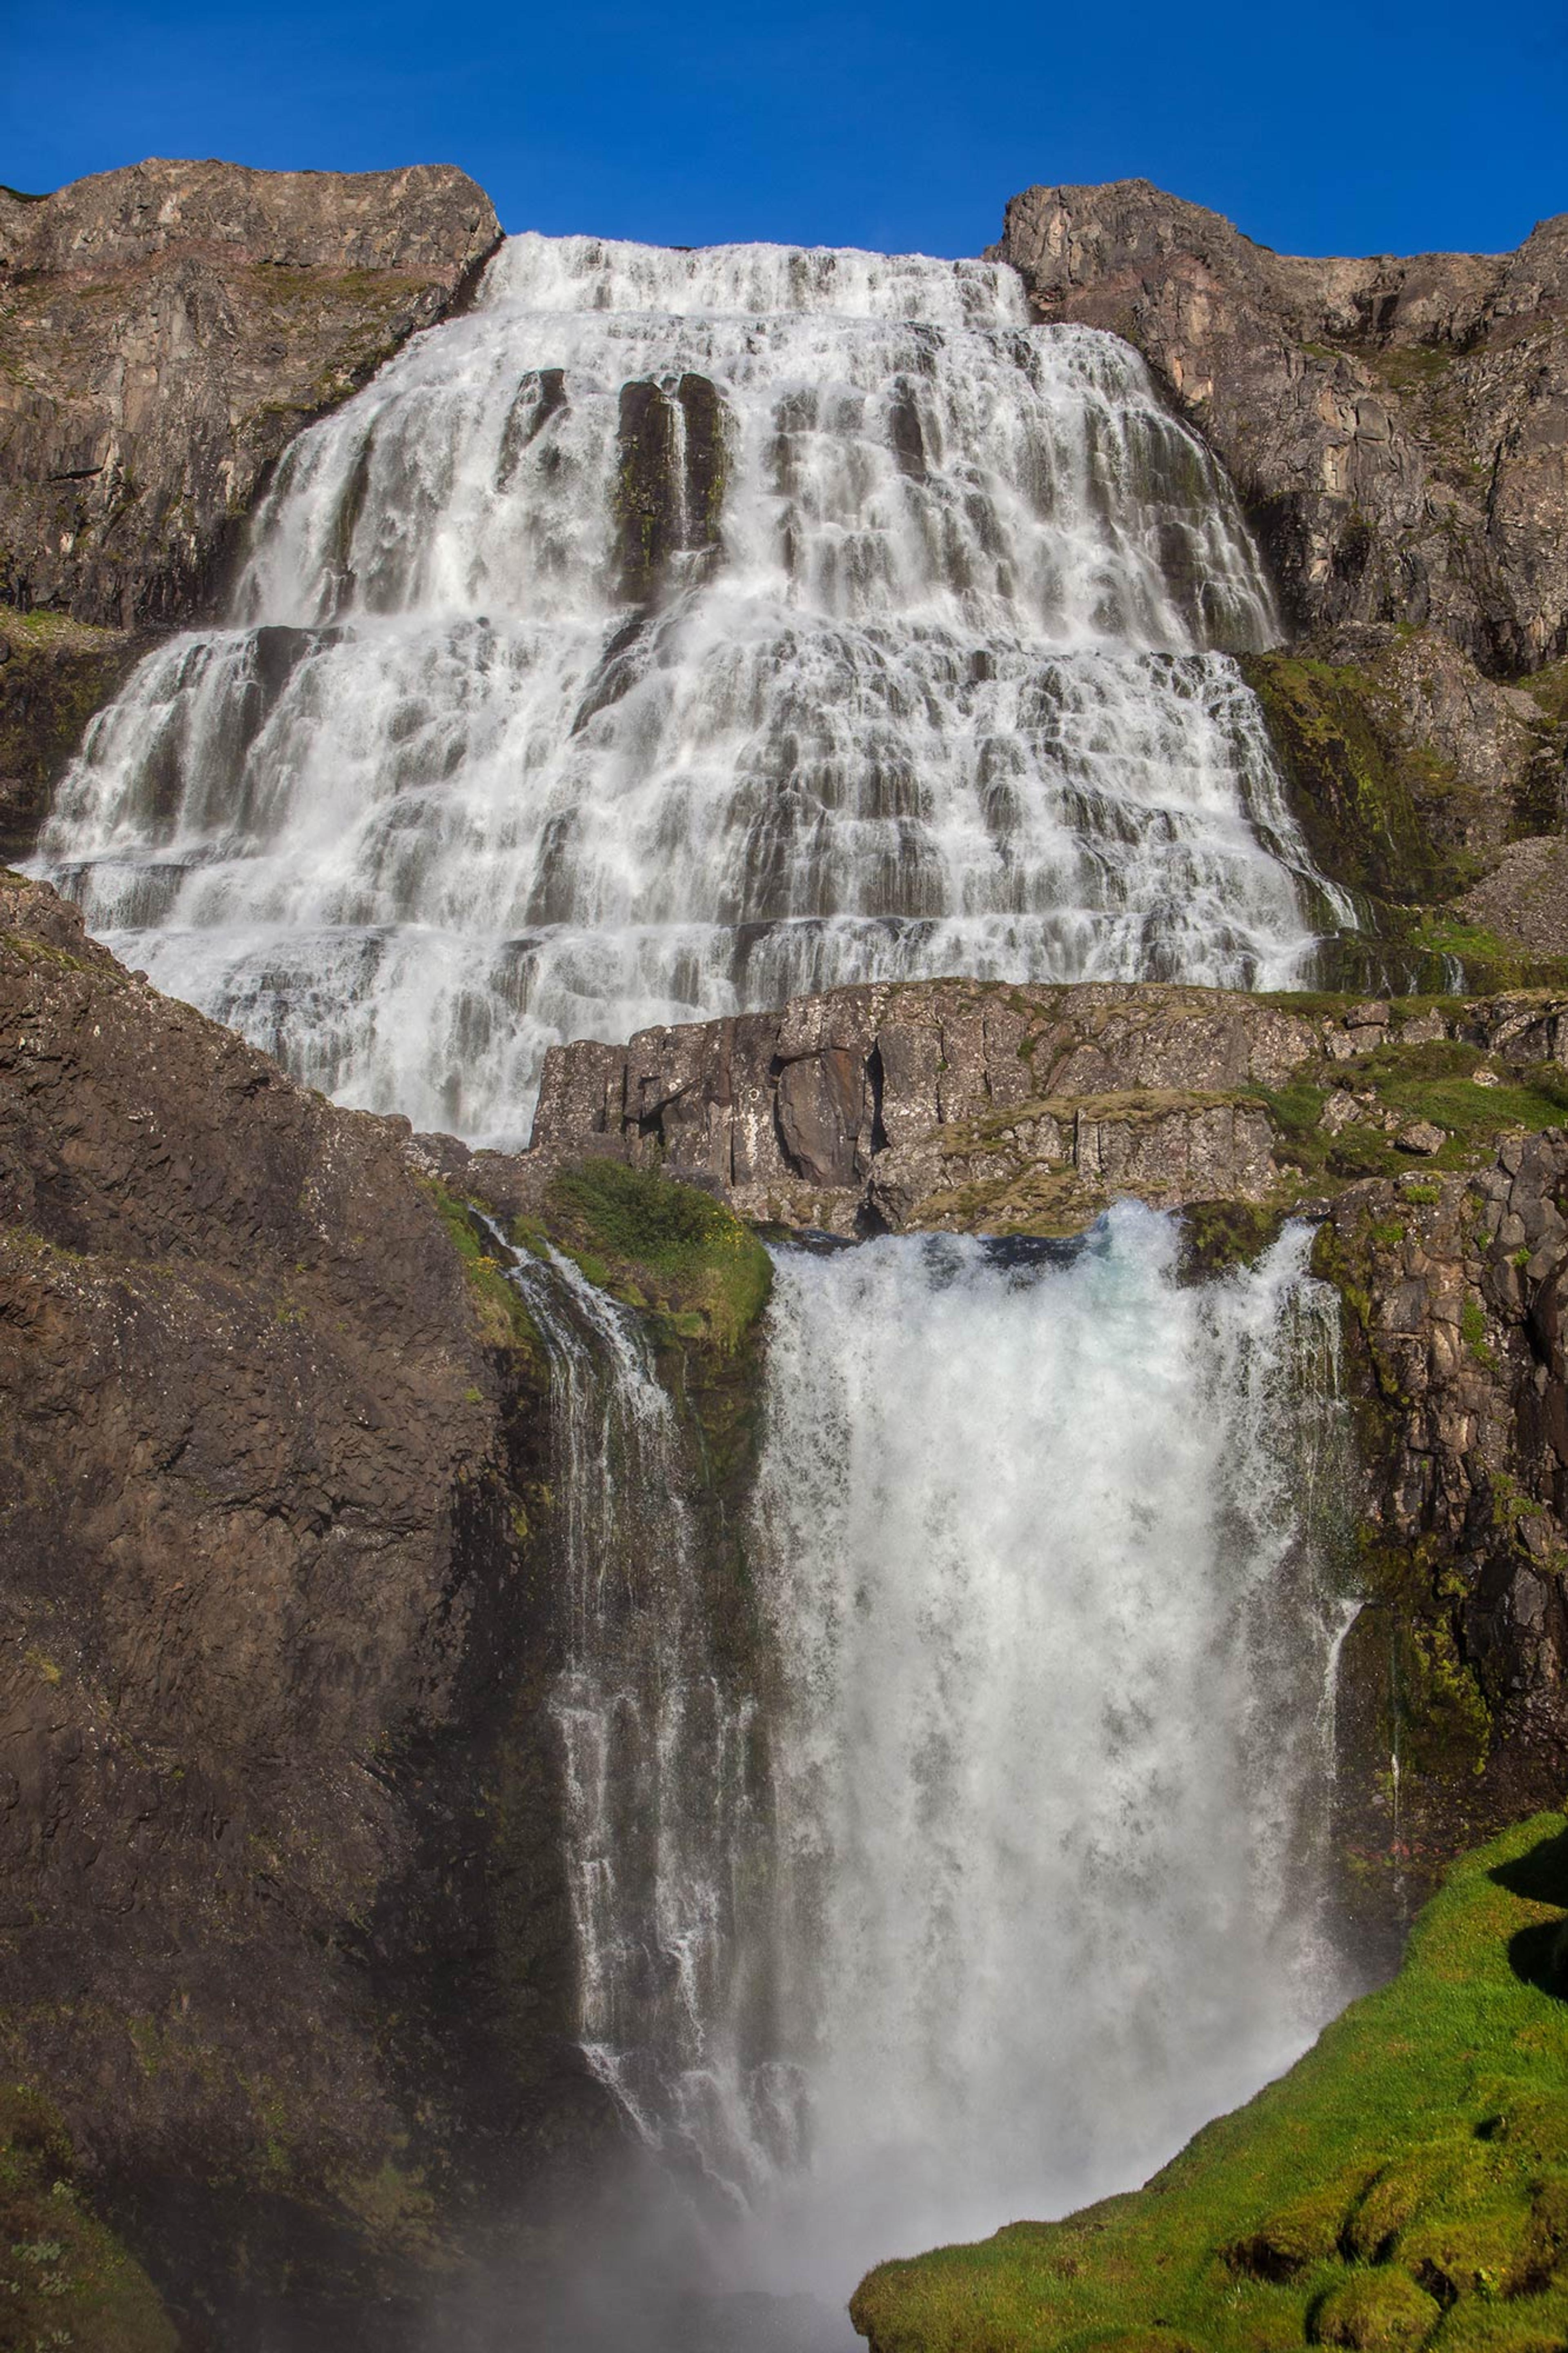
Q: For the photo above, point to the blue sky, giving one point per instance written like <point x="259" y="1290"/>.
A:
<point x="1334" y="129"/>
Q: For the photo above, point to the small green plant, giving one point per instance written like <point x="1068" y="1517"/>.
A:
<point x="654" y="1241"/>
<point x="1473" y="1332"/>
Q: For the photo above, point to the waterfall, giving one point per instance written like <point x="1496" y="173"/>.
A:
<point x="656" y="1738"/>
<point x="677" y="632"/>
<point x="1022" y="1878"/>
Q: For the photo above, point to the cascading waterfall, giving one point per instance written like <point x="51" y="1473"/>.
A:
<point x="677" y="632"/>
<point x="660" y="1776"/>
<point x="1011" y="1876"/>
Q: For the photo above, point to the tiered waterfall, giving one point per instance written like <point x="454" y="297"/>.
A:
<point x="676" y="632"/>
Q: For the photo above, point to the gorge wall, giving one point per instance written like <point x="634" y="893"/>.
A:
<point x="286" y="1935"/>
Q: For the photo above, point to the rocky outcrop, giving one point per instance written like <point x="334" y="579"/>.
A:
<point x="1408" y="770"/>
<point x="54" y="674"/>
<point x="1397" y="428"/>
<point x="284" y="1935"/>
<point x="991" y="1107"/>
<point x="165" y="330"/>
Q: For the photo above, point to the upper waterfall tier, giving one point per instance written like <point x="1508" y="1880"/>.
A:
<point x="679" y="631"/>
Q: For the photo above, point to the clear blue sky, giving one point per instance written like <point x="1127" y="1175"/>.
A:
<point x="1336" y="129"/>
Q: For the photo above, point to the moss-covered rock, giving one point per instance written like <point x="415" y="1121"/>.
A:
<point x="65" y="2279"/>
<point x="661" y="1245"/>
<point x="1355" y="786"/>
<point x="1391" y="2192"/>
<point x="54" y="674"/>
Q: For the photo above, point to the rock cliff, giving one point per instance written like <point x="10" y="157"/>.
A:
<point x="283" y="1937"/>
<point x="1398" y="431"/>
<point x="991" y="1107"/>
<point x="167" y="328"/>
<point x="1396" y="427"/>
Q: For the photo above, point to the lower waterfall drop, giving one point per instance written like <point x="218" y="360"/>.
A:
<point x="1042" y="1535"/>
<point x="1006" y="1874"/>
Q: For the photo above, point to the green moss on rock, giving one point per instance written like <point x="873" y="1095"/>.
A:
<point x="1353" y="788"/>
<point x="1405" y="2184"/>
<point x="662" y="1245"/>
<point x="66" y="2281"/>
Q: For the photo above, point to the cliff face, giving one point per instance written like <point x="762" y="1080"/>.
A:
<point x="1396" y="427"/>
<point x="995" y="1108"/>
<point x="1455" y="1290"/>
<point x="283" y="1935"/>
<point x="164" y="332"/>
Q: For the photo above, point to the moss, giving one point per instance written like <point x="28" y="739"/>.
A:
<point x="1217" y="1235"/>
<point x="1489" y="962"/>
<point x="1473" y="1332"/>
<point x="1353" y="788"/>
<point x="503" y="1319"/>
<point x="65" y="2279"/>
<point x="1405" y="2184"/>
<point x="1377" y="2309"/>
<point x="59" y="673"/>
<point x="662" y="1245"/>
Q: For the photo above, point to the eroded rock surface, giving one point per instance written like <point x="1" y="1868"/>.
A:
<point x="283" y="1929"/>
<point x="1396" y="427"/>
<point x="165" y="330"/>
<point x="990" y="1107"/>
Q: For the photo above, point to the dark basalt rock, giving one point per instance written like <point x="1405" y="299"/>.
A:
<point x="670" y="487"/>
<point x="285" y="1935"/>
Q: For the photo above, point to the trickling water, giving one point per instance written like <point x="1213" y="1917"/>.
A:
<point x="658" y="1775"/>
<point x="678" y="632"/>
<point x="1043" y="1543"/>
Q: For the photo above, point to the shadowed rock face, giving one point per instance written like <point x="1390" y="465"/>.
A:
<point x="283" y="1929"/>
<point x="1397" y="427"/>
<point x="165" y="330"/>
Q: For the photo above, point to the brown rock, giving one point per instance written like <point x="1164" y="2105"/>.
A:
<point x="1397" y="428"/>
<point x="271" y="1630"/>
<point x="165" y="330"/>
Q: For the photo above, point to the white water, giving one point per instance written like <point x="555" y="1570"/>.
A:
<point x="655" y="1741"/>
<point x="933" y="676"/>
<point x="1030" y="1886"/>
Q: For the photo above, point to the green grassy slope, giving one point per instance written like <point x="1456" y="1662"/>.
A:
<point x="1405" y="2184"/>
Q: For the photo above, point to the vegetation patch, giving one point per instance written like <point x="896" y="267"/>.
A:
<point x="65" y="2280"/>
<point x="1355" y="789"/>
<point x="1405" y="2184"/>
<point x="503" y="1318"/>
<point x="657" y="1244"/>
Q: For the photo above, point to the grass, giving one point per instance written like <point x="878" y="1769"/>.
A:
<point x="1436" y="1082"/>
<point x="65" y="2280"/>
<point x="1405" y="2184"/>
<point x="656" y="1243"/>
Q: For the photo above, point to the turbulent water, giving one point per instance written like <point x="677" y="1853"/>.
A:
<point x="676" y="632"/>
<point x="1004" y="1876"/>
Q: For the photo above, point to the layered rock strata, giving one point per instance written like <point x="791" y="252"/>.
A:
<point x="998" y="1108"/>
